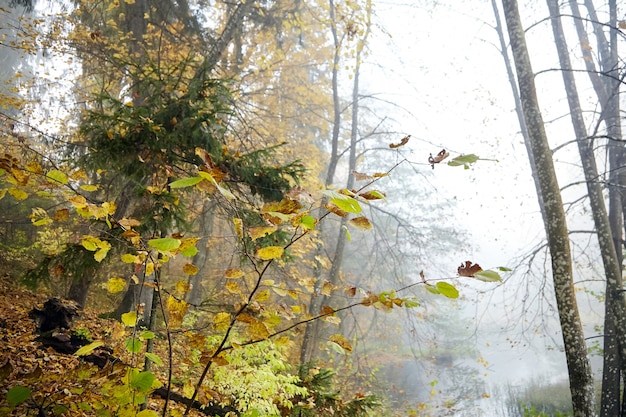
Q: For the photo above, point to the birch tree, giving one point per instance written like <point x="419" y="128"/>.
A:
<point x="579" y="368"/>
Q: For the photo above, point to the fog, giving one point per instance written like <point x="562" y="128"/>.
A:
<point x="449" y="83"/>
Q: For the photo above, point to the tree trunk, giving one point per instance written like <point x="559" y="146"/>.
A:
<point x="607" y="90"/>
<point x="579" y="368"/>
<point x="311" y="328"/>
<point x="615" y="314"/>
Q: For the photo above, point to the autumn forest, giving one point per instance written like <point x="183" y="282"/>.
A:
<point x="203" y="212"/>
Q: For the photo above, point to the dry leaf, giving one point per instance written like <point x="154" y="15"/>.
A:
<point x="402" y="142"/>
<point x="432" y="160"/>
<point x="468" y="269"/>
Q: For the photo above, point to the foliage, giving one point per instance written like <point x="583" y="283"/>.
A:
<point x="326" y="399"/>
<point x="158" y="132"/>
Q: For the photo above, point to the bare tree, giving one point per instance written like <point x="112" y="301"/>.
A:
<point x="579" y="368"/>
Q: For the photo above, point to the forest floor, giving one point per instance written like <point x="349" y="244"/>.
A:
<point x="60" y="384"/>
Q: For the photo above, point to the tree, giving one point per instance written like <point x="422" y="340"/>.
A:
<point x="579" y="368"/>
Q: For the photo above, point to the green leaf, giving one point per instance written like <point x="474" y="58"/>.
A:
<point x="185" y="182"/>
<point x="154" y="358"/>
<point x="54" y="175"/>
<point x="85" y="350"/>
<point x="488" y="276"/>
<point x="308" y="222"/>
<point x="165" y="244"/>
<point x="145" y="335"/>
<point x="129" y="319"/>
<point x="448" y="290"/>
<point x="133" y="345"/>
<point x="189" y="252"/>
<point x="432" y="289"/>
<point x="348" y="235"/>
<point x="143" y="381"/>
<point x="17" y="395"/>
<point x="503" y="269"/>
<point x="226" y="193"/>
<point x="463" y="160"/>
<point x="411" y="302"/>
<point x="344" y="202"/>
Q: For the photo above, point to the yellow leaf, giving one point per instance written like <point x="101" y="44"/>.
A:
<point x="221" y="321"/>
<point x="176" y="310"/>
<point x="89" y="187"/>
<point x="115" y="285"/>
<point x="190" y="269"/>
<point x="238" y="227"/>
<point x="234" y="273"/>
<point x="85" y="350"/>
<point x="129" y="319"/>
<point x="327" y="288"/>
<point x="182" y="286"/>
<point x="149" y="269"/>
<point x="270" y="252"/>
<point x="262" y="296"/>
<point x="78" y="201"/>
<point x="233" y="287"/>
<point x="90" y="243"/>
<point x="258" y="232"/>
<point x="34" y="167"/>
<point x="258" y="330"/>
<point x="55" y="176"/>
<point x="129" y="258"/>
<point x="18" y="194"/>
<point x="102" y="252"/>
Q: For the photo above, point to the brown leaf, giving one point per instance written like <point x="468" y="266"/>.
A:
<point x="351" y="291"/>
<point x="361" y="222"/>
<point x="468" y="269"/>
<point x="336" y="210"/>
<point x="301" y="195"/>
<point x="326" y="310"/>
<point x="373" y="195"/>
<point x="61" y="215"/>
<point x="432" y="160"/>
<point x="359" y="176"/>
<point x="402" y="142"/>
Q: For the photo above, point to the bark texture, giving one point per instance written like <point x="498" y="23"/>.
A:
<point x="579" y="368"/>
